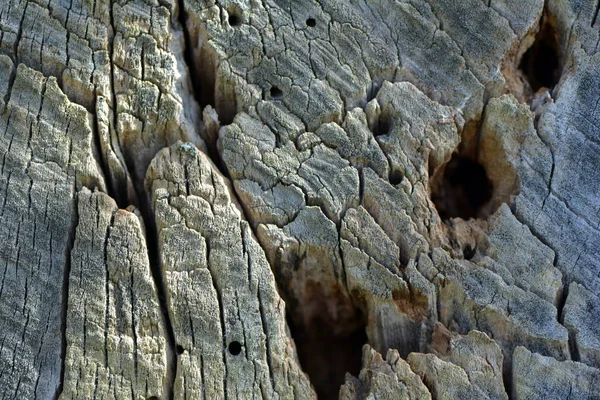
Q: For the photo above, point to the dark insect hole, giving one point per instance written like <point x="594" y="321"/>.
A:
<point x="468" y="252"/>
<point x="395" y="177"/>
<point x="311" y="22"/>
<point x="276" y="93"/>
<point x="234" y="20"/>
<point x="235" y="348"/>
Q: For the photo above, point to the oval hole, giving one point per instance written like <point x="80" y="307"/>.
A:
<point x="234" y="20"/>
<point x="468" y="252"/>
<point x="235" y="348"/>
<point x="275" y="92"/>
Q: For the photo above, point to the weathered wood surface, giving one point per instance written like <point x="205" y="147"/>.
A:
<point x="228" y="199"/>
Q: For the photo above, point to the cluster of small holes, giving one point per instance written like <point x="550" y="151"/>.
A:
<point x="234" y="348"/>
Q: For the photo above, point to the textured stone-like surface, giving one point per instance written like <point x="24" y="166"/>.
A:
<point x="116" y="344"/>
<point x="46" y="156"/>
<point x="476" y="354"/>
<point x="219" y="287"/>
<point x="379" y="378"/>
<point x="324" y="143"/>
<point x="580" y="316"/>
<point x="538" y="377"/>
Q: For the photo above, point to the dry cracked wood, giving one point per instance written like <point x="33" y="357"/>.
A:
<point x="257" y="199"/>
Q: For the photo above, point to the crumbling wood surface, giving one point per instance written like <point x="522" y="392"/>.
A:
<point x="205" y="199"/>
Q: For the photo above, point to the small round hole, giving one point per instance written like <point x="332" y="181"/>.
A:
<point x="311" y="22"/>
<point x="234" y="20"/>
<point x="468" y="252"/>
<point x="395" y="177"/>
<point x="235" y="348"/>
<point x="276" y="93"/>
<point x="180" y="349"/>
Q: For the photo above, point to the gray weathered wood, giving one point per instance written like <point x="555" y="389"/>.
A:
<point x="228" y="199"/>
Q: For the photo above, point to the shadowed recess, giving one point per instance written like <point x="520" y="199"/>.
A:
<point x="541" y="63"/>
<point x="463" y="191"/>
<point x="275" y="92"/>
<point x="326" y="356"/>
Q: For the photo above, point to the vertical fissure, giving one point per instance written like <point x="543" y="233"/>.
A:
<point x="107" y="289"/>
<point x="100" y="158"/>
<point x="203" y="91"/>
<point x="541" y="64"/>
<point x="65" y="294"/>
<point x="221" y="312"/>
<point x="317" y="352"/>
<point x="151" y="237"/>
<point x="595" y="17"/>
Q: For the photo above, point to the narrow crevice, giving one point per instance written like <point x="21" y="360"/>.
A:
<point x="373" y="89"/>
<point x="120" y="198"/>
<point x="11" y="80"/>
<point x="202" y="66"/>
<point x="203" y="86"/>
<point x="595" y="18"/>
<point x="203" y="82"/>
<point x="383" y="126"/>
<point x="199" y="94"/>
<point x="325" y="352"/>
<point x="65" y="294"/>
<point x="573" y="348"/>
<point x="507" y="380"/>
<point x="564" y="294"/>
<point x="560" y="307"/>
<point x="151" y="235"/>
<point x="161" y="290"/>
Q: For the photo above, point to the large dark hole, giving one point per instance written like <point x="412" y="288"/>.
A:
<point x="541" y="63"/>
<point x="275" y="92"/>
<point x="463" y="190"/>
<point x="234" y="20"/>
<point x="326" y="356"/>
<point x="395" y="177"/>
<point x="311" y="22"/>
